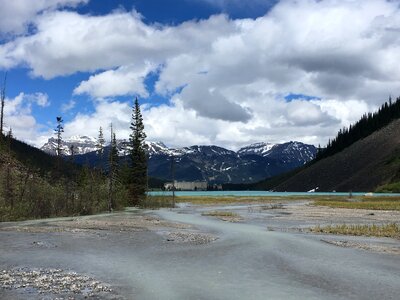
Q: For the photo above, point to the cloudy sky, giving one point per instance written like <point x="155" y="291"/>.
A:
<point x="224" y="72"/>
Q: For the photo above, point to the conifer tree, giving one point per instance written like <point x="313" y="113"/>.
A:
<point x="113" y="171"/>
<point x="138" y="176"/>
<point x="100" y="143"/>
<point x="368" y="124"/>
<point x="58" y="131"/>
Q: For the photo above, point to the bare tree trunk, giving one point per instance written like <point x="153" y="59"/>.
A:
<point x="111" y="175"/>
<point x="2" y="99"/>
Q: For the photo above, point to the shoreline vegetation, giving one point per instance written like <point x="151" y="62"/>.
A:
<point x="391" y="230"/>
<point x="368" y="203"/>
<point x="358" y="202"/>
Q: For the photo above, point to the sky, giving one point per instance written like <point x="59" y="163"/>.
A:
<point x="221" y="72"/>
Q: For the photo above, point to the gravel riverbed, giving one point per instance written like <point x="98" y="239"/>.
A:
<point x="63" y="284"/>
<point x="181" y="254"/>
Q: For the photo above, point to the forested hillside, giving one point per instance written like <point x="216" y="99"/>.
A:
<point x="363" y="157"/>
<point x="368" y="124"/>
<point x="34" y="184"/>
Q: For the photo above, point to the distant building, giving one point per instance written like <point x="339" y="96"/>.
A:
<point x="186" y="186"/>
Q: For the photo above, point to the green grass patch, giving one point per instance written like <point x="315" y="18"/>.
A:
<point x="389" y="188"/>
<point x="216" y="200"/>
<point x="156" y="202"/>
<point x="375" y="203"/>
<point x="217" y="213"/>
<point x="389" y="230"/>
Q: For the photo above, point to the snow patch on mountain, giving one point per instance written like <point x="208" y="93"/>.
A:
<point x="79" y="145"/>
<point x="287" y="152"/>
<point x="257" y="148"/>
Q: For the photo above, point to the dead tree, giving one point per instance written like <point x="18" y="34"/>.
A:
<point x="2" y="103"/>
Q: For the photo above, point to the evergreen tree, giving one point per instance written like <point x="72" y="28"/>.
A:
<point x="58" y="131"/>
<point x="138" y="176"/>
<point x="368" y="124"/>
<point x="113" y="171"/>
<point x="100" y="143"/>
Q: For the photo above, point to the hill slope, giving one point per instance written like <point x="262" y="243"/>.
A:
<point x="363" y="166"/>
<point x="34" y="184"/>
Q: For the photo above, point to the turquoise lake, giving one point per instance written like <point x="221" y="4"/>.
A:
<point x="259" y="193"/>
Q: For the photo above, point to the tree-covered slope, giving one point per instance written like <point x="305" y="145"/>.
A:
<point x="363" y="166"/>
<point x="368" y="124"/>
<point x="34" y="184"/>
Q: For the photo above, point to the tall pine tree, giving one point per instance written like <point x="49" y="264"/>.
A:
<point x="58" y="132"/>
<point x="113" y="171"/>
<point x="100" y="143"/>
<point x="138" y="170"/>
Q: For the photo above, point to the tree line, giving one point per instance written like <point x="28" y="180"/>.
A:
<point x="34" y="184"/>
<point x="368" y="124"/>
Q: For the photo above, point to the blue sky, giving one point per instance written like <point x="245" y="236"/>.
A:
<point x="223" y="72"/>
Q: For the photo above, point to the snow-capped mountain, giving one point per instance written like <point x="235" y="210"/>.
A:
<point x="81" y="145"/>
<point x="87" y="144"/>
<point x="291" y="151"/>
<point x="212" y="163"/>
<point x="258" y="148"/>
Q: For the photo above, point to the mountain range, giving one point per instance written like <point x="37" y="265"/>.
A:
<point x="212" y="163"/>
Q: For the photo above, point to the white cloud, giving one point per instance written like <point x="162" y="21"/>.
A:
<point x="18" y="116"/>
<point x="234" y="73"/>
<point x="106" y="112"/>
<point x="16" y="15"/>
<point x="41" y="99"/>
<point x="126" y="80"/>
<point x="347" y="112"/>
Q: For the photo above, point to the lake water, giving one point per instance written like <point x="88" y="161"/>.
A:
<point x="259" y="193"/>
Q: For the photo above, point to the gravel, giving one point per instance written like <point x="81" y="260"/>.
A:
<point x="190" y="237"/>
<point x="53" y="281"/>
<point x="364" y="246"/>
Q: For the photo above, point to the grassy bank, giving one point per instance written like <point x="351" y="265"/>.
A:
<point x="203" y="200"/>
<point x="155" y="202"/>
<point x="388" y="230"/>
<point x="376" y="203"/>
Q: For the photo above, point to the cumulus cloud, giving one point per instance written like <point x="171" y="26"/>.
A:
<point x="227" y="78"/>
<point x="16" y="15"/>
<point x="126" y="80"/>
<point x="105" y="113"/>
<point x="18" y="116"/>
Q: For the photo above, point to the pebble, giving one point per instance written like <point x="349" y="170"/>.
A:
<point x="190" y="237"/>
<point x="52" y="281"/>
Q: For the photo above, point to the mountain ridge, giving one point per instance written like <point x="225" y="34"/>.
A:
<point x="208" y="162"/>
